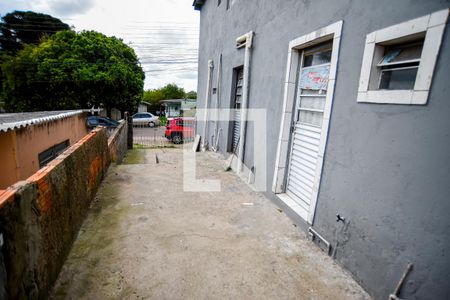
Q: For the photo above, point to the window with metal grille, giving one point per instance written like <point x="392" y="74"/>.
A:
<point x="313" y="82"/>
<point x="399" y="65"/>
<point x="399" y="61"/>
<point x="51" y="153"/>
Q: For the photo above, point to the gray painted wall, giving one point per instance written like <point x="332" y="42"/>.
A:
<point x="386" y="167"/>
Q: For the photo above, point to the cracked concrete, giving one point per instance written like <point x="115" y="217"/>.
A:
<point x="145" y="238"/>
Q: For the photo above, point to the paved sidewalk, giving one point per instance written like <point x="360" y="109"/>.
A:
<point x="147" y="239"/>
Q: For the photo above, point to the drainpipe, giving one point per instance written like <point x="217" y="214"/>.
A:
<point x="247" y="41"/>
<point x="394" y="296"/>
<point x="208" y="96"/>
<point x="216" y="120"/>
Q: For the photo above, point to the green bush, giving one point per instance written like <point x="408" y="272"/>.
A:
<point x="163" y="120"/>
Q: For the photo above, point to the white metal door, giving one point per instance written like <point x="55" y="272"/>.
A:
<point x="237" y="108"/>
<point x="303" y="170"/>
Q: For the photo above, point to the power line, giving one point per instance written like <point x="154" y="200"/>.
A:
<point x="53" y="29"/>
<point x="29" y="24"/>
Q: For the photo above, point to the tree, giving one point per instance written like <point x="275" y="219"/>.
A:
<point x="169" y="91"/>
<point x="26" y="27"/>
<point x="153" y="97"/>
<point x="73" y="70"/>
<point x="191" y="95"/>
<point x="172" y="91"/>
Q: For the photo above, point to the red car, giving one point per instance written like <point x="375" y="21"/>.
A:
<point x="180" y="129"/>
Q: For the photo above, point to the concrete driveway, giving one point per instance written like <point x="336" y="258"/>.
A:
<point x="147" y="239"/>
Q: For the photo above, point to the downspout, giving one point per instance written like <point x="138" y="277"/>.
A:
<point x="216" y="119"/>
<point x="244" y="40"/>
<point x="208" y="96"/>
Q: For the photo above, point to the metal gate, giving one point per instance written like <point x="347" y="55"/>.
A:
<point x="307" y="128"/>
<point x="237" y="108"/>
<point x="148" y="131"/>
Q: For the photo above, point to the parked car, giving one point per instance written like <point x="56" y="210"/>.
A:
<point x="145" y="119"/>
<point x="180" y="129"/>
<point x="94" y="121"/>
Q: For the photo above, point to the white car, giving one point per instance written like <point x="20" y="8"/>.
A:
<point x="145" y="119"/>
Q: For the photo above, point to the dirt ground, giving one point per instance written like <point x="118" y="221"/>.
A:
<point x="145" y="238"/>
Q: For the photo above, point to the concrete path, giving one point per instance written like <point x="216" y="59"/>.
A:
<point x="147" y="239"/>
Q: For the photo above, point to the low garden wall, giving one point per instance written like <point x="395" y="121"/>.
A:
<point x="117" y="142"/>
<point x="40" y="217"/>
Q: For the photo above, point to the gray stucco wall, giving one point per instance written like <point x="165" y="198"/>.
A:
<point x="386" y="167"/>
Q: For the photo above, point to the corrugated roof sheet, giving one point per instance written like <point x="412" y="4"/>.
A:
<point x="13" y="121"/>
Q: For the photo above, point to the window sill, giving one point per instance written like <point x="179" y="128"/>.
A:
<point x="294" y="206"/>
<point x="409" y="97"/>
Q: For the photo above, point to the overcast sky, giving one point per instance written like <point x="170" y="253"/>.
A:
<point x="164" y="33"/>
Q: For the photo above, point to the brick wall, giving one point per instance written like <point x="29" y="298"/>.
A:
<point x="117" y="142"/>
<point x="40" y="217"/>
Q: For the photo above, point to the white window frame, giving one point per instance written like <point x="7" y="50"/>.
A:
<point x="331" y="32"/>
<point x="433" y="25"/>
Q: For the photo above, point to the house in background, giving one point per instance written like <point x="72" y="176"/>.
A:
<point x="28" y="141"/>
<point x="143" y="106"/>
<point x="177" y="107"/>
<point x="115" y="114"/>
<point x="358" y="144"/>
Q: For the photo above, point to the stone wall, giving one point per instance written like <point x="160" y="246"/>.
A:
<point x="40" y="217"/>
